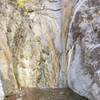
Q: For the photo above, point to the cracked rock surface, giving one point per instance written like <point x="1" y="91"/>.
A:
<point x="50" y="44"/>
<point x="84" y="49"/>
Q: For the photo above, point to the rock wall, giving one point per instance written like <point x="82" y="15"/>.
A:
<point x="45" y="43"/>
<point x="31" y="51"/>
<point x="83" y="48"/>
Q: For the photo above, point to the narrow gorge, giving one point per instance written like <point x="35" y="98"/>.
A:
<point x="49" y="49"/>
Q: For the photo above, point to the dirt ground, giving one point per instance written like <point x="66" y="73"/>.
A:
<point x="46" y="94"/>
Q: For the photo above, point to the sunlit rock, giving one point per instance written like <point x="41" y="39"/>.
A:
<point x="31" y="45"/>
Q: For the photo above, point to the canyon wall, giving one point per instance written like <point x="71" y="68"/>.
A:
<point x="31" y="45"/>
<point x="50" y="44"/>
<point x="83" y="48"/>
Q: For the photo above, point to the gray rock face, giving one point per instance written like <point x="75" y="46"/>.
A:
<point x="33" y="36"/>
<point x="84" y="56"/>
<point x="31" y="45"/>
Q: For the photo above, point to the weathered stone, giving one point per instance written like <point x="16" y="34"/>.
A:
<point x="84" y="49"/>
<point x="31" y="45"/>
<point x="33" y="35"/>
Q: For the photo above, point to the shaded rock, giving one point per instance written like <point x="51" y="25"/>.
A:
<point x="49" y="94"/>
<point x="84" y="54"/>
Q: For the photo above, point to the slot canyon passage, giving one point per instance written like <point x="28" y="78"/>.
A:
<point x="49" y="49"/>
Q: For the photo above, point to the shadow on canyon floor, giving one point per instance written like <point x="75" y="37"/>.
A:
<point x="47" y="94"/>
